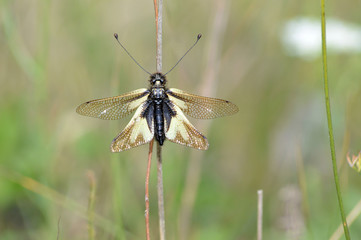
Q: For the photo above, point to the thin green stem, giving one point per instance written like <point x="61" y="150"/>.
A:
<point x="329" y="121"/>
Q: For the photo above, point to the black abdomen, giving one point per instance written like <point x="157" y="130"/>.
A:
<point x="159" y="122"/>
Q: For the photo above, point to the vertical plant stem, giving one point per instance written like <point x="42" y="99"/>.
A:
<point x="91" y="230"/>
<point x="259" y="213"/>
<point x="147" y="231"/>
<point x="159" y="20"/>
<point x="160" y="194"/>
<point x="156" y="15"/>
<point x="329" y="121"/>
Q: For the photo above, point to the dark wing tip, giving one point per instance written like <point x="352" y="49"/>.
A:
<point x="80" y="109"/>
<point x="231" y="108"/>
<point x="113" y="146"/>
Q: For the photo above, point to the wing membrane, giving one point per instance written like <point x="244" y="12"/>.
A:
<point x="181" y="131"/>
<point x="136" y="133"/>
<point x="114" y="107"/>
<point x="201" y="107"/>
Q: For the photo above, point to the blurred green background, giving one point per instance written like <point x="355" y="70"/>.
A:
<point x="56" y="55"/>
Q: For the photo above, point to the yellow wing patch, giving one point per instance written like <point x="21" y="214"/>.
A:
<point x="181" y="131"/>
<point x="136" y="133"/>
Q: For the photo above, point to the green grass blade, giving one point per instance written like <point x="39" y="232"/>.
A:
<point x="329" y="121"/>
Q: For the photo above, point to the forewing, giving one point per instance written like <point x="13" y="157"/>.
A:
<point x="201" y="107"/>
<point x="181" y="131"/>
<point x="136" y="133"/>
<point x="114" y="107"/>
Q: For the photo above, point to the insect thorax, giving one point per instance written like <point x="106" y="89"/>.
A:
<point x="158" y="93"/>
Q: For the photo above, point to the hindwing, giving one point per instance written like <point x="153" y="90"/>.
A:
<point x="180" y="130"/>
<point x="140" y="130"/>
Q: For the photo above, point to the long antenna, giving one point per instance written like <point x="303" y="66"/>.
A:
<point x="116" y="37"/>
<point x="198" y="37"/>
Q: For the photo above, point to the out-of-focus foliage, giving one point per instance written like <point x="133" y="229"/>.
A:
<point x="355" y="162"/>
<point x="57" y="54"/>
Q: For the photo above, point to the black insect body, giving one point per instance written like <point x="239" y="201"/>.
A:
<point x="159" y="106"/>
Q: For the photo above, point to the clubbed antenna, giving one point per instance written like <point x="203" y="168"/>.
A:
<point x="198" y="37"/>
<point x="116" y="37"/>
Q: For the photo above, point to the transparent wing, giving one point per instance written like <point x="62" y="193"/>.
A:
<point x="181" y="131"/>
<point x="201" y="107"/>
<point x="114" y="107"/>
<point x="136" y="133"/>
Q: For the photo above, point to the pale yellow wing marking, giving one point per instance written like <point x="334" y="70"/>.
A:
<point x="136" y="133"/>
<point x="114" y="107"/>
<point x="201" y="107"/>
<point x="181" y="131"/>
